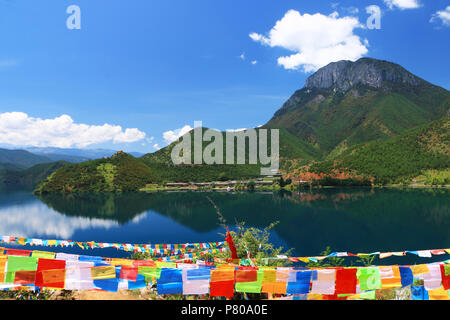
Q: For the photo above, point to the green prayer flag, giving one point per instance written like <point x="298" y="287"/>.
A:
<point x="447" y="270"/>
<point x="369" y="295"/>
<point x="150" y="272"/>
<point x="369" y="278"/>
<point x="43" y="255"/>
<point x="251" y="287"/>
<point x="18" y="263"/>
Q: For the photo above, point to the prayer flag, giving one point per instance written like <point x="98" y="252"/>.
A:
<point x="128" y="273"/>
<point x="25" y="277"/>
<point x="50" y="264"/>
<point x="104" y="272"/>
<point x="222" y="289"/>
<point x="346" y="281"/>
<point x="445" y="275"/>
<point x="369" y="278"/>
<point x="406" y="276"/>
<point x="419" y="293"/>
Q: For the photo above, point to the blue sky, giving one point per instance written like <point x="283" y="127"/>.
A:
<point x="158" y="66"/>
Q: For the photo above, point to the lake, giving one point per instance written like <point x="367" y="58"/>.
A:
<point x="351" y="219"/>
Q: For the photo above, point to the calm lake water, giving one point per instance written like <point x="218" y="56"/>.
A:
<point x="352" y="219"/>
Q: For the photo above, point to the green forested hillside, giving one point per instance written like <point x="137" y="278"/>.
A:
<point x="357" y="106"/>
<point x="119" y="173"/>
<point x="28" y="178"/>
<point x="397" y="159"/>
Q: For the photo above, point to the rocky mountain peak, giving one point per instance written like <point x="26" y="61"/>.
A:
<point x="343" y="75"/>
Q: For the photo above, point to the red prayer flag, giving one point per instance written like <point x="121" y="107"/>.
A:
<point x="128" y="273"/>
<point x="222" y="289"/>
<point x="229" y="240"/>
<point x="333" y="297"/>
<point x="24" y="277"/>
<point x="18" y="252"/>
<point x="49" y="264"/>
<point x="346" y="281"/>
<point x="445" y="279"/>
<point x="142" y="263"/>
<point x="246" y="275"/>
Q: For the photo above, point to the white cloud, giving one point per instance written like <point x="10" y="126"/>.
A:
<point x="27" y="220"/>
<point x="173" y="135"/>
<point x="254" y="62"/>
<point x="403" y="4"/>
<point x="242" y="56"/>
<point x="19" y="129"/>
<point x="156" y="146"/>
<point x="443" y="15"/>
<point x="316" y="39"/>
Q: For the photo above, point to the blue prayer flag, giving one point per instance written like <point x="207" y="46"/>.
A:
<point x="419" y="293"/>
<point x="407" y="277"/>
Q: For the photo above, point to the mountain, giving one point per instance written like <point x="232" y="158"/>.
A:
<point x="21" y="158"/>
<point x="119" y="173"/>
<point x="370" y="117"/>
<point x="396" y="159"/>
<point x="28" y="178"/>
<point x="347" y="103"/>
<point x="75" y="155"/>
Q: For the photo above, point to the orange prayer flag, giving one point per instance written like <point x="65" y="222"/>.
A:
<point x="394" y="282"/>
<point x="52" y="277"/>
<point x="3" y="260"/>
<point x="222" y="275"/>
<point x="274" y="287"/>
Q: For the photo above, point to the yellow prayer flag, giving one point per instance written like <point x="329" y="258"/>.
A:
<point x="315" y="296"/>
<point x="121" y="262"/>
<point x="161" y="264"/>
<point x="420" y="269"/>
<point x="104" y="272"/>
<point x="270" y="276"/>
<point x="438" y="294"/>
<point x="304" y="259"/>
<point x="52" y="242"/>
<point x="224" y="267"/>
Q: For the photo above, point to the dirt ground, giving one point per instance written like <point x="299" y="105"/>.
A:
<point x="143" y="294"/>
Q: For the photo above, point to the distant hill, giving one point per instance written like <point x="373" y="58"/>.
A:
<point x="28" y="178"/>
<point x="398" y="158"/>
<point x="76" y="155"/>
<point x="10" y="166"/>
<point x="21" y="158"/>
<point x="118" y="173"/>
